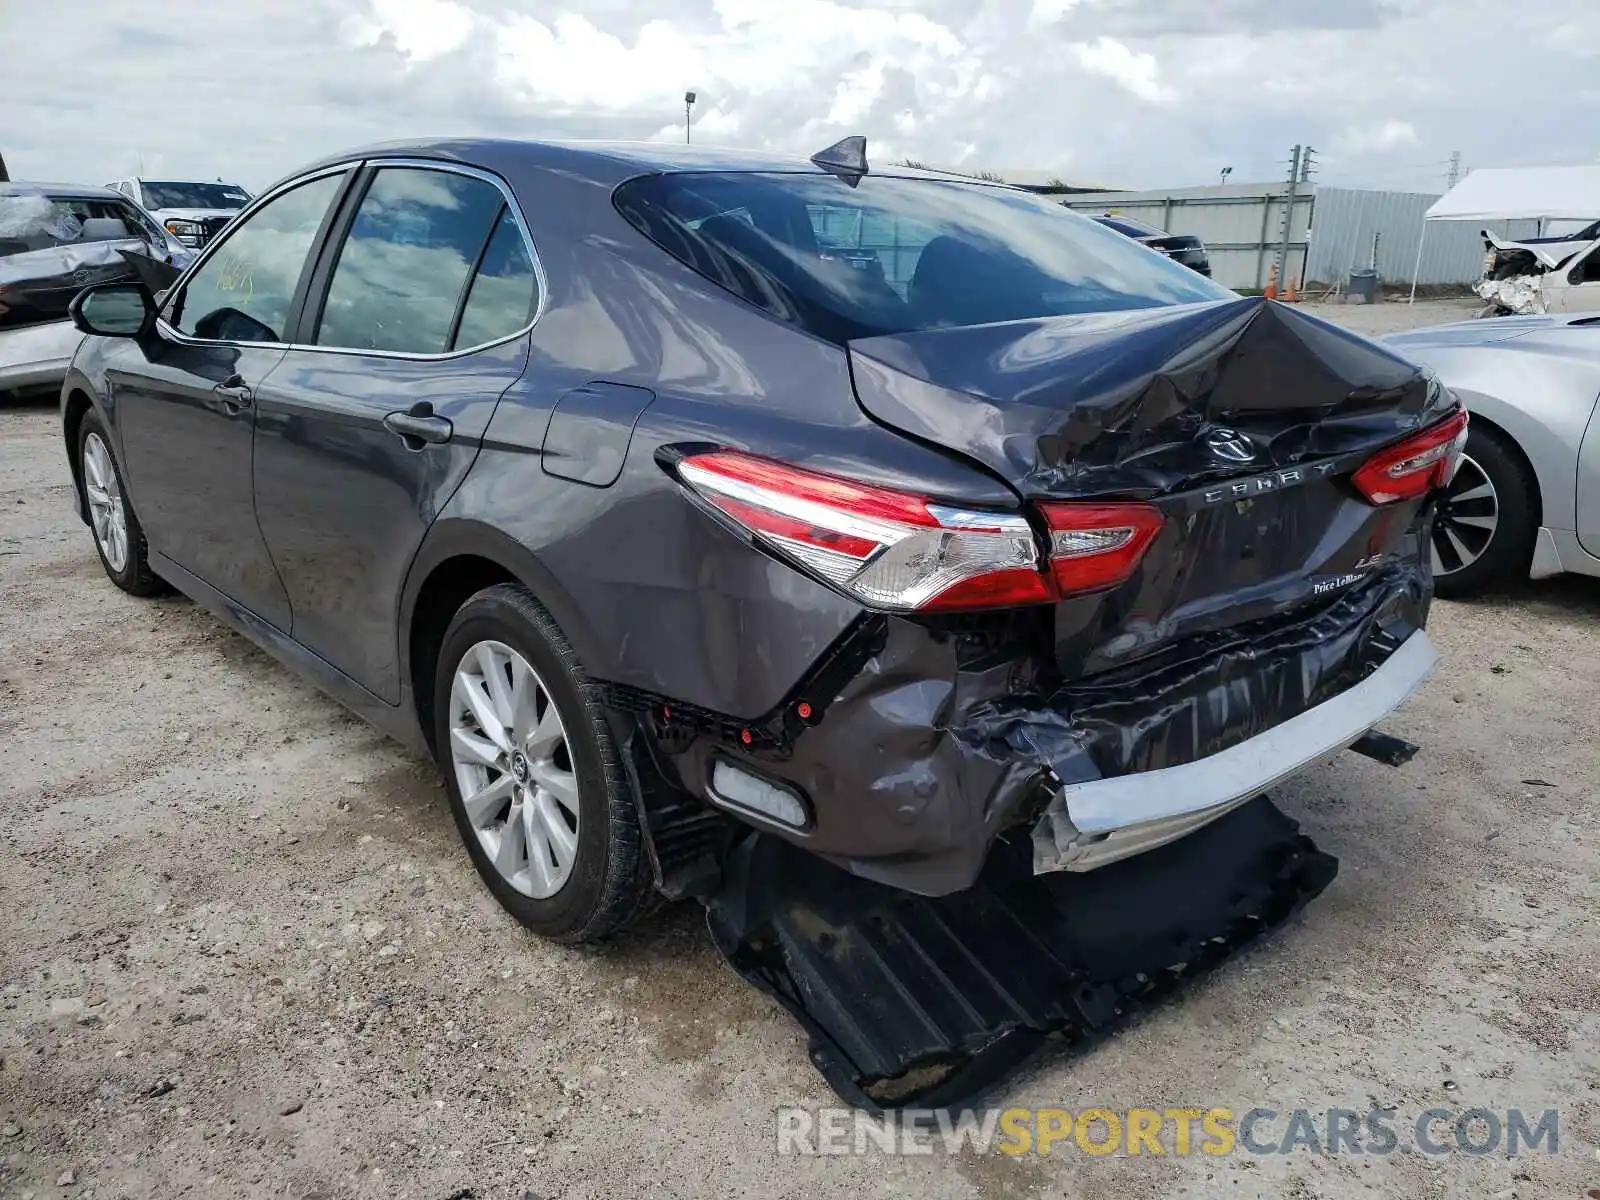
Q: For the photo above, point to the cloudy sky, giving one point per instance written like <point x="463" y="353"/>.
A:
<point x="1133" y="92"/>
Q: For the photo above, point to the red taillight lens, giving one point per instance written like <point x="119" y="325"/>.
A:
<point x="1408" y="469"/>
<point x="889" y="549"/>
<point x="1095" y="546"/>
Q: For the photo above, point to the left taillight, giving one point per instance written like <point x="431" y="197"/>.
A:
<point x="1411" y="468"/>
<point x="891" y="550"/>
<point x="899" y="551"/>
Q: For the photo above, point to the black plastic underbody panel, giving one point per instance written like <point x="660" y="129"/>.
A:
<point x="912" y="1001"/>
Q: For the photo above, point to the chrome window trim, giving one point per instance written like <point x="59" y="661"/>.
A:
<point x="167" y="330"/>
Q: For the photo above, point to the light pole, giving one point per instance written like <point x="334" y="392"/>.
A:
<point x="1226" y="171"/>
<point x="688" y="103"/>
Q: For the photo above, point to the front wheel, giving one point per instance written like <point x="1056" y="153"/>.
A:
<point x="118" y="536"/>
<point x="1484" y="527"/>
<point x="536" y="783"/>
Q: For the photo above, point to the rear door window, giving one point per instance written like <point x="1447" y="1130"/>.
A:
<point x="405" y="266"/>
<point x="245" y="290"/>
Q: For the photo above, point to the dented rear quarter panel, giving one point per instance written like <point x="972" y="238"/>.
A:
<point x="656" y="594"/>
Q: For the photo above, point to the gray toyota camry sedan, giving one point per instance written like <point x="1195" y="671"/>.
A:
<point x="672" y="497"/>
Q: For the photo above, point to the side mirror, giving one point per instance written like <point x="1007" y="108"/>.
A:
<point x="114" y="310"/>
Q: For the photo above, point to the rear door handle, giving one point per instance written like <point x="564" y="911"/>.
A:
<point x="418" y="429"/>
<point x="235" y="394"/>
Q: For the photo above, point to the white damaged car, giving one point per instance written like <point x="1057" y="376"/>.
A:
<point x="56" y="240"/>
<point x="1559" y="274"/>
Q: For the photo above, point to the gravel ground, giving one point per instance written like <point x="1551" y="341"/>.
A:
<point x="243" y="953"/>
<point x="1393" y="316"/>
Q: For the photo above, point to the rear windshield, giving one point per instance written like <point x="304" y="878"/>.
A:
<point x="192" y="195"/>
<point x="892" y="255"/>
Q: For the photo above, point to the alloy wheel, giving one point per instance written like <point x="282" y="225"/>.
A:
<point x="1465" y="523"/>
<point x="513" y="766"/>
<point x="106" y="512"/>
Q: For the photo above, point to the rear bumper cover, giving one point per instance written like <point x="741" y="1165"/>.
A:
<point x="924" y="748"/>
<point x="918" y="1003"/>
<point x="1090" y="824"/>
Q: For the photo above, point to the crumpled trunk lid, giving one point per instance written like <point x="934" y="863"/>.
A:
<point x="1242" y="420"/>
<point x="1121" y="402"/>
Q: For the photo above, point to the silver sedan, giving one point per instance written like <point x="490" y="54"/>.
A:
<point x="1526" y="500"/>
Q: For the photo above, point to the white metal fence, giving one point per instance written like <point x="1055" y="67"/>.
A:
<point x="1347" y="222"/>
<point x="1241" y="224"/>
<point x="1332" y="232"/>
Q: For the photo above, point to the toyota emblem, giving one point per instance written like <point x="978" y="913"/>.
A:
<point x="1230" y="444"/>
<point x="82" y="275"/>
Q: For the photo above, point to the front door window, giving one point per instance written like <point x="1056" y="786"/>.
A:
<point x="244" y="291"/>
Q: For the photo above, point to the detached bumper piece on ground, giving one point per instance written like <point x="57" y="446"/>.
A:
<point x="923" y="1002"/>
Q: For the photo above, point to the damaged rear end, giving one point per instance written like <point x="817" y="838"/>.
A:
<point x="1271" y="473"/>
<point x="1041" y="750"/>
<point x="1214" y="578"/>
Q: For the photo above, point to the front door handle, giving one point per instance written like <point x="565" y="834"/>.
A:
<point x="235" y="394"/>
<point x="419" y="428"/>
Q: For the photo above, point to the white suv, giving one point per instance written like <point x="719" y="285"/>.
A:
<point x="193" y="211"/>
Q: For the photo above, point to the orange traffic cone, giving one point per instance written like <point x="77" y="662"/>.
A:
<point x="1271" y="291"/>
<point x="1290" y="295"/>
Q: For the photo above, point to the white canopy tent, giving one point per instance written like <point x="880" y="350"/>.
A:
<point x="1511" y="193"/>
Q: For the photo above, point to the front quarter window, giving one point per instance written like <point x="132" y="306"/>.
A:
<point x="243" y="292"/>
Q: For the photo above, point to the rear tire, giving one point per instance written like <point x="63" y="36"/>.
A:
<point x="118" y="536"/>
<point x="504" y="668"/>
<point x="1467" y="557"/>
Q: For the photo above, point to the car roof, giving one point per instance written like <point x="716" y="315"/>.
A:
<point x="68" y="191"/>
<point x="601" y="159"/>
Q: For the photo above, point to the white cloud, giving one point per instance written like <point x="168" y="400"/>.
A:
<point x="1047" y="12"/>
<point x="572" y="65"/>
<point x="1135" y="72"/>
<point x="1143" y="92"/>
<point x="422" y="29"/>
<point x="1378" y="138"/>
<point x="856" y="93"/>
